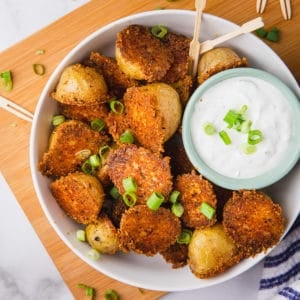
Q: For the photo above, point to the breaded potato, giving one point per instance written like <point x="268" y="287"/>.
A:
<point x="195" y="190"/>
<point x="253" y="221"/>
<point x="176" y="255"/>
<point x="80" y="85"/>
<point x="81" y="196"/>
<point x="217" y="60"/>
<point x="70" y="145"/>
<point x="179" y="45"/>
<point x="150" y="172"/>
<point x="184" y="88"/>
<point x="85" y="113"/>
<point x="117" y="210"/>
<point x="141" y="55"/>
<point x="102" y="235"/>
<point x="154" y="113"/>
<point x="211" y="252"/>
<point x="117" y="81"/>
<point x="146" y="231"/>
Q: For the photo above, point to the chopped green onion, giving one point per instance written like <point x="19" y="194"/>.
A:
<point x="129" y="184"/>
<point x="209" y="128"/>
<point x="6" y="80"/>
<point x="207" y="210"/>
<point x="174" y="196"/>
<point x="83" y="154"/>
<point x="231" y="117"/>
<point x="245" y="126"/>
<point x="87" y="167"/>
<point x="93" y="254"/>
<point x="114" y="192"/>
<point x="116" y="106"/>
<point x="40" y="52"/>
<point x="129" y="198"/>
<point x="159" y="31"/>
<point x="248" y="149"/>
<point x="225" y="137"/>
<point x="103" y="152"/>
<point x="39" y="69"/>
<point x="155" y="200"/>
<point x="111" y="295"/>
<point x="97" y="124"/>
<point x="80" y="235"/>
<point x="95" y="160"/>
<point x="127" y="137"/>
<point x="273" y="36"/>
<point x="243" y="109"/>
<point x="185" y="237"/>
<point x="254" y="137"/>
<point x="89" y="291"/>
<point x="177" y="209"/>
<point x="58" y="119"/>
<point x="261" y="32"/>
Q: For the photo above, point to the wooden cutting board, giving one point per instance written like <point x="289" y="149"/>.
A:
<point x="58" y="39"/>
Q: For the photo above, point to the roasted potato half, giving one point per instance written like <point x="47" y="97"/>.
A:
<point x="102" y="235"/>
<point x="211" y="252"/>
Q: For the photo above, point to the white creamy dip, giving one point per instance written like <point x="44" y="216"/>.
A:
<point x="269" y="113"/>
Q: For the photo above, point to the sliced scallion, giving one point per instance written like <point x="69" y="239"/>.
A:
<point x="103" y="152"/>
<point x="80" y="235"/>
<point x="89" y="291"/>
<point x="83" y="154"/>
<point x="127" y="137"/>
<point x="58" y="119"/>
<point x="95" y="160"/>
<point x="116" y="106"/>
<point x="254" y="137"/>
<point x="114" y="192"/>
<point x="273" y="35"/>
<point x="207" y="210"/>
<point x="93" y="254"/>
<point x="174" y="196"/>
<point x="97" y="124"/>
<point x="155" y="200"/>
<point x="246" y="126"/>
<point x="129" y="198"/>
<point x="159" y="31"/>
<point x="177" y="209"/>
<point x="248" y="149"/>
<point x="209" y="128"/>
<point x="129" y="184"/>
<point x="87" y="167"/>
<point x="6" y="80"/>
<point x="39" y="69"/>
<point x="225" y="137"/>
<point x="111" y="295"/>
<point x="185" y="237"/>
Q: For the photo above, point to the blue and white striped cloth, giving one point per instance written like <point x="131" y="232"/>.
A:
<point x="281" y="273"/>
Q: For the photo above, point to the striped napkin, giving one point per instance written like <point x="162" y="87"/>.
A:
<point x="281" y="273"/>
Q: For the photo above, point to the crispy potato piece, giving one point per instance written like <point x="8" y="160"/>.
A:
<point x="118" y="209"/>
<point x="184" y="88"/>
<point x="216" y="60"/>
<point x="102" y="235"/>
<point x="70" y="145"/>
<point x="150" y="172"/>
<point x="146" y="231"/>
<point x="253" y="221"/>
<point x="81" y="196"/>
<point x="140" y="55"/>
<point x="194" y="190"/>
<point x="80" y="85"/>
<point x="176" y="255"/>
<point x="154" y="113"/>
<point x="179" y="45"/>
<point x="211" y="252"/>
<point x="84" y="113"/>
<point x="116" y="80"/>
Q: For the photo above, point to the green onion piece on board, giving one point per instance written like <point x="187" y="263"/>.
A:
<point x="254" y="137"/>
<point x="111" y="295"/>
<point x="80" y="235"/>
<point x="261" y="32"/>
<point x="185" y="237"/>
<point x="155" y="200"/>
<point x="6" y="81"/>
<point x="58" y="119"/>
<point x="273" y="35"/>
<point x="114" y="192"/>
<point x="159" y="31"/>
<point x="93" y="254"/>
<point x="174" y="196"/>
<point x="127" y="137"/>
<point x="129" y="198"/>
<point x="116" y="106"/>
<point x="177" y="209"/>
<point x="89" y="291"/>
<point x="97" y="124"/>
<point x="129" y="184"/>
<point x="207" y="210"/>
<point x="39" y="69"/>
<point x="209" y="128"/>
<point x="225" y="137"/>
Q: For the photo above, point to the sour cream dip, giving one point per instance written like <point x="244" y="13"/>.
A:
<point x="269" y="113"/>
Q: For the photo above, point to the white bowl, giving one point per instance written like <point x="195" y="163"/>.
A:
<point x="138" y="270"/>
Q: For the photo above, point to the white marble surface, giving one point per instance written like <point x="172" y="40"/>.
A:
<point x="26" y="270"/>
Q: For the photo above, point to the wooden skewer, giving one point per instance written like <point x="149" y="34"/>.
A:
<point x="286" y="9"/>
<point x="245" y="28"/>
<point x="260" y="6"/>
<point x="195" y="44"/>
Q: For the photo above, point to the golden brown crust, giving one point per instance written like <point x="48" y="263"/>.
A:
<point x="80" y="196"/>
<point x="253" y="221"/>
<point x="146" y="231"/>
<point x="184" y="88"/>
<point x="66" y="144"/>
<point x="150" y="172"/>
<point x="194" y="190"/>
<point x="137" y="48"/>
<point x="116" y="80"/>
<point x="176" y="255"/>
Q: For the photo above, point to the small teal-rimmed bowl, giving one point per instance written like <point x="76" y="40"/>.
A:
<point x="284" y="165"/>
